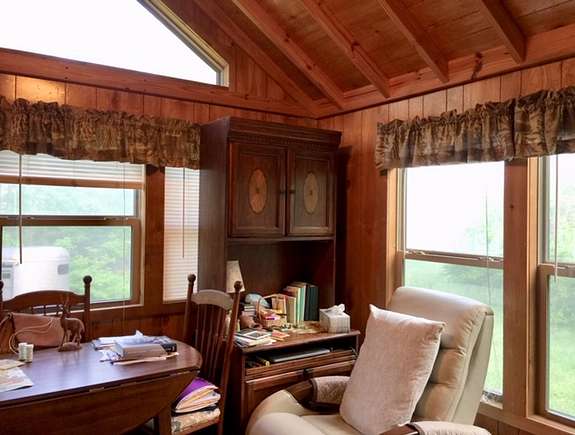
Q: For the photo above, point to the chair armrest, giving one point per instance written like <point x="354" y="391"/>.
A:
<point x="320" y="394"/>
<point x="436" y="428"/>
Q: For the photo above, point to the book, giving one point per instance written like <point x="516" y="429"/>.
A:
<point x="246" y="342"/>
<point x="301" y="300"/>
<point x="199" y="394"/>
<point x="291" y="309"/>
<point x="138" y="351"/>
<point x="138" y="338"/>
<point x="297" y="291"/>
<point x="312" y="303"/>
<point x="253" y="334"/>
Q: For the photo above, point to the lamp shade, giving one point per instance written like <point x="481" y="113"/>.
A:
<point x="233" y="274"/>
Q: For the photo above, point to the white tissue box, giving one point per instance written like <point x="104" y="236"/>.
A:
<point x="334" y="319"/>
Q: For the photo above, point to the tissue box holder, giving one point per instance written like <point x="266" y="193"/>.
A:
<point x="335" y="322"/>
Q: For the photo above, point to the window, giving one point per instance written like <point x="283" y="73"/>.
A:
<point x="181" y="226"/>
<point x="133" y="39"/>
<point x="452" y="239"/>
<point x="557" y="288"/>
<point x="77" y="218"/>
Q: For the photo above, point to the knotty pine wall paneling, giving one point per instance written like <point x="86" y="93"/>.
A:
<point x="90" y="97"/>
<point x="364" y="223"/>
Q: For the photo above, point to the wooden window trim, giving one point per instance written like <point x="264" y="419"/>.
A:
<point x="78" y="221"/>
<point x="402" y="254"/>
<point x="545" y="270"/>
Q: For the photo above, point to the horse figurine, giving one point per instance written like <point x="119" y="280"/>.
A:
<point x="73" y="330"/>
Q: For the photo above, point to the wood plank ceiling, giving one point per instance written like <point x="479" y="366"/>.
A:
<point x="338" y="55"/>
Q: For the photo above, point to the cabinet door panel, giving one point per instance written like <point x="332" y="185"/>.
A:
<point x="257" y="191"/>
<point x="311" y="194"/>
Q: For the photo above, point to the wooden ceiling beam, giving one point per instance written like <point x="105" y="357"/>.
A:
<point x="275" y="33"/>
<point x="346" y="42"/>
<point x="507" y="29"/>
<point x="216" y="14"/>
<point x="541" y="48"/>
<point x="417" y="37"/>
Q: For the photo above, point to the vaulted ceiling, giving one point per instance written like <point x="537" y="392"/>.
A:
<point x="337" y="55"/>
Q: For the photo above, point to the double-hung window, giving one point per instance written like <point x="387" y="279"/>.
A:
<point x="556" y="288"/>
<point x="61" y="220"/>
<point x="451" y="239"/>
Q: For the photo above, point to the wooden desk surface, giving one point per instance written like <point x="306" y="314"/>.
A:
<point x="298" y="339"/>
<point x="56" y="374"/>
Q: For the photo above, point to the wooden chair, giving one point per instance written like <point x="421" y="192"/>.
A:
<point x="51" y="303"/>
<point x="205" y="329"/>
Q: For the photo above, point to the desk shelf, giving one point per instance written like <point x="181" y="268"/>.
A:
<point x="251" y="385"/>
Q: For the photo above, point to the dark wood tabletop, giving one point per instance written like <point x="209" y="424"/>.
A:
<point x="59" y="373"/>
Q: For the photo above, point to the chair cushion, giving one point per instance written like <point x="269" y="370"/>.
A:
<point x="464" y="318"/>
<point x="283" y="423"/>
<point x="331" y="424"/>
<point x="185" y="422"/>
<point x="392" y="369"/>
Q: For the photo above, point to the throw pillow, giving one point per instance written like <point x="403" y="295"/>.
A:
<point x="391" y="371"/>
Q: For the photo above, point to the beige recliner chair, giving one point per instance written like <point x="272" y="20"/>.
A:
<point x="450" y="400"/>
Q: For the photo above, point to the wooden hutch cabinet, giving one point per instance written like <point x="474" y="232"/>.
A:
<point x="268" y="199"/>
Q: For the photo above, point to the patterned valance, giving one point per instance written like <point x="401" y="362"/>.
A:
<point x="534" y="125"/>
<point x="77" y="134"/>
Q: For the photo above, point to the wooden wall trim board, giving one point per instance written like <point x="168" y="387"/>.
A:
<point x="70" y="71"/>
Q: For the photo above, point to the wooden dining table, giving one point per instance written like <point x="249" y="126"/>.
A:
<point x="75" y="393"/>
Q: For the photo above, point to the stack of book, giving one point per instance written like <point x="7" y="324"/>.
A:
<point x="197" y="396"/>
<point x="253" y="337"/>
<point x="302" y="302"/>
<point x="198" y="403"/>
<point x="248" y="310"/>
<point x="136" y="347"/>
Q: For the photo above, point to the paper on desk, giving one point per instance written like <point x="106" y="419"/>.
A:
<point x="12" y="379"/>
<point x="6" y="364"/>
<point x="114" y="358"/>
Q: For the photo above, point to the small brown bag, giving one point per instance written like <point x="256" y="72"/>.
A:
<point x="41" y="331"/>
<point x="6" y="331"/>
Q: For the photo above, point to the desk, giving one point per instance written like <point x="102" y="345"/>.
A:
<point x="75" y="393"/>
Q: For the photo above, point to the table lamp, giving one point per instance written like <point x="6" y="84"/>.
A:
<point x="233" y="274"/>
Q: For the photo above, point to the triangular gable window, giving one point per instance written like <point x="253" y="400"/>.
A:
<point x="130" y="34"/>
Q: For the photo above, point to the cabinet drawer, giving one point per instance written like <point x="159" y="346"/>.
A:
<point x="337" y="356"/>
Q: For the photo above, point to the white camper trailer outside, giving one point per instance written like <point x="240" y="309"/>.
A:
<point x="42" y="268"/>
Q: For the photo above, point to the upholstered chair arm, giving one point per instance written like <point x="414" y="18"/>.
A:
<point x="436" y="428"/>
<point x="320" y="394"/>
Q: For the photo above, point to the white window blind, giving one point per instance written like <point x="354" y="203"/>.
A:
<point x="181" y="224"/>
<point x="48" y="170"/>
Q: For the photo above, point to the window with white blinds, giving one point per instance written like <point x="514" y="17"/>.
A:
<point x="48" y="170"/>
<point x="181" y="225"/>
<point x="62" y="219"/>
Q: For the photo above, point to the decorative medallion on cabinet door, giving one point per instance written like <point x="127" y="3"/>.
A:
<point x="311" y="194"/>
<point x="257" y="191"/>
